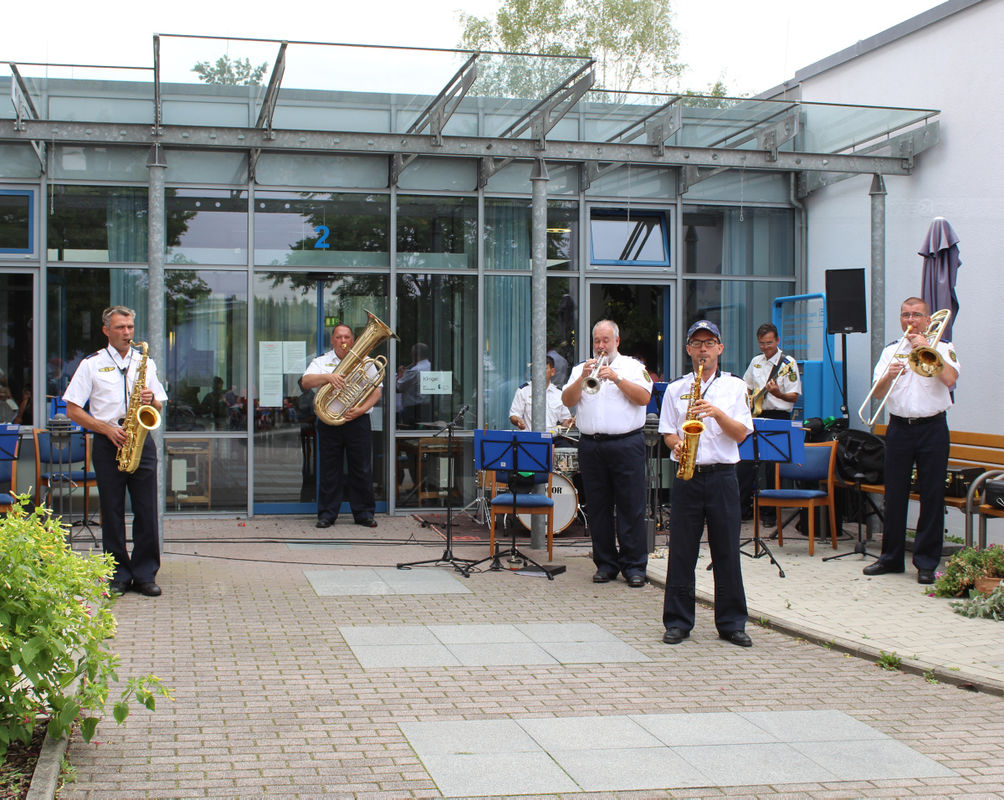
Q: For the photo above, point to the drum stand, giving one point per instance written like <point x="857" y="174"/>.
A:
<point x="461" y="565"/>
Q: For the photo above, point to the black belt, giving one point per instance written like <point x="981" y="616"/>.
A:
<point x="609" y="437"/>
<point x="917" y="420"/>
<point x="713" y="467"/>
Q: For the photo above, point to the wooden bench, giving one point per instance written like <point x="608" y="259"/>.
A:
<point x="967" y="449"/>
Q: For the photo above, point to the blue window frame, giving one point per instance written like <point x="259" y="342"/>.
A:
<point x="631" y="238"/>
<point x="17" y="221"/>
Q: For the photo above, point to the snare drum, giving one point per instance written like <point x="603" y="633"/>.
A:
<point x="566" y="503"/>
<point x="566" y="460"/>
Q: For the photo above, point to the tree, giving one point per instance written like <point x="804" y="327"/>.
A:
<point x="634" y="41"/>
<point x="230" y="73"/>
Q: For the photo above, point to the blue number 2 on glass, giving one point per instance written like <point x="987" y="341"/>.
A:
<point x="322" y="242"/>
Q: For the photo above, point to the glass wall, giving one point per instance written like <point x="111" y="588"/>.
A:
<point x="436" y="376"/>
<point x="97" y="223"/>
<point x="207" y="350"/>
<point x="434" y="232"/>
<point x="75" y="298"/>
<point x="321" y="229"/>
<point x="16" y="348"/>
<point x="207" y="226"/>
<point x="507" y="234"/>
<point x="16" y="221"/>
<point x="721" y="240"/>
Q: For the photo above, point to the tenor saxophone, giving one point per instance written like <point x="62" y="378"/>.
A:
<point x="692" y="429"/>
<point x="139" y="420"/>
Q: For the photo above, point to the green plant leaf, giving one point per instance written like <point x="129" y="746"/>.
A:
<point x="87" y="727"/>
<point x="121" y="711"/>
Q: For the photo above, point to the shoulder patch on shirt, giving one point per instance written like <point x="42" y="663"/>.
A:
<point x="107" y="369"/>
<point x="649" y="377"/>
<point x="951" y="355"/>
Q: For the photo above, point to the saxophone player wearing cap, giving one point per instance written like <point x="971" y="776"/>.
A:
<point x="351" y="441"/>
<point x="711" y="495"/>
<point x="611" y="393"/>
<point x="106" y="380"/>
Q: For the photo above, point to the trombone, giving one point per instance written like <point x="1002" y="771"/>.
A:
<point x="925" y="360"/>
<point x="591" y="383"/>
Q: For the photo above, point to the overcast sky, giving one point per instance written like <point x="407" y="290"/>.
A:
<point x="752" y="46"/>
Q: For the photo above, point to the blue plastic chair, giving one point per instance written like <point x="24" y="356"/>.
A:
<point x="819" y="467"/>
<point x="501" y="453"/>
<point x="10" y="442"/>
<point x="75" y="457"/>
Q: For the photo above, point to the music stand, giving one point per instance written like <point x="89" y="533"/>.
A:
<point x="513" y="451"/>
<point x="61" y="432"/>
<point x="772" y="440"/>
<point x="461" y="565"/>
<point x="860" y="547"/>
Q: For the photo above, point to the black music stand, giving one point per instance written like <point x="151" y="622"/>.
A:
<point x="61" y="432"/>
<point x="772" y="440"/>
<point x="461" y="565"/>
<point x="860" y="547"/>
<point x="512" y="452"/>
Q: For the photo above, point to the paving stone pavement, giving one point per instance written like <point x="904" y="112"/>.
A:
<point x="271" y="701"/>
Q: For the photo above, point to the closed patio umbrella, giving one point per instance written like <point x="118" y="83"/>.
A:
<point x="940" y="251"/>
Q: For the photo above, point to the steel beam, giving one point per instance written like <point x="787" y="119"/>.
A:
<point x="24" y="109"/>
<point x="212" y="138"/>
<point x="267" y="111"/>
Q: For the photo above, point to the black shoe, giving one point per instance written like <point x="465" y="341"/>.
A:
<point x="149" y="588"/>
<point x="739" y="638"/>
<point x="324" y="523"/>
<point x="118" y="587"/>
<point x="636" y="581"/>
<point x="602" y="577"/>
<point x="925" y="576"/>
<point x="675" y="635"/>
<point x="878" y="568"/>
<point x="369" y="522"/>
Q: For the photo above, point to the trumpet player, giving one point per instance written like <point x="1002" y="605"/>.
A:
<point x="712" y="495"/>
<point x="917" y="434"/>
<point x="612" y="391"/>
<point x="352" y="441"/>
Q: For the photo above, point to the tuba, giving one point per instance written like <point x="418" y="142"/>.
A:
<point x="329" y="405"/>
<point x="692" y="429"/>
<point x="139" y="419"/>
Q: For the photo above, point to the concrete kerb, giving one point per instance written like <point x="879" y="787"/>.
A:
<point x="45" y="778"/>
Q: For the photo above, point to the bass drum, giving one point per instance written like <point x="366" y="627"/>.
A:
<point x="566" y="503"/>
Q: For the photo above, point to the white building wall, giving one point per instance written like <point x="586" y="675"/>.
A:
<point x="955" y="66"/>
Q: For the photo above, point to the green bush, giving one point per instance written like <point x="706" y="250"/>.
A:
<point x="55" y="614"/>
<point x="963" y="568"/>
<point x="989" y="606"/>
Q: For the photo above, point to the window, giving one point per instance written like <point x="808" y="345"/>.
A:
<point x="437" y="232"/>
<point x="628" y="237"/>
<point x="508" y="235"/>
<point x="732" y="241"/>
<point x="17" y="231"/>
<point x="98" y="224"/>
<point x="207" y="226"/>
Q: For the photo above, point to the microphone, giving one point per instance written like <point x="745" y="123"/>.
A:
<point x="464" y="409"/>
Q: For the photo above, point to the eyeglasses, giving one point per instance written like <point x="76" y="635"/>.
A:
<point x="703" y="343"/>
<point x="912" y="315"/>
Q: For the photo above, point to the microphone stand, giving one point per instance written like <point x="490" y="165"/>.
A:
<point x="461" y="565"/>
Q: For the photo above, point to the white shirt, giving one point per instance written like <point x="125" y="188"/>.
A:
<point x="326" y="363"/>
<point x="913" y="395"/>
<point x="725" y="391"/>
<point x="522" y="406"/>
<point x="609" y="410"/>
<point x="758" y="372"/>
<point x="100" y="380"/>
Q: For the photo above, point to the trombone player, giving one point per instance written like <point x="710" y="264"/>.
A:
<point x="917" y="434"/>
<point x="351" y="441"/>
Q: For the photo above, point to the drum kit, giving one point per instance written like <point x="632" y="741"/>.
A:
<point x="565" y="486"/>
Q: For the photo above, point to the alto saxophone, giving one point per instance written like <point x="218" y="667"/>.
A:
<point x="692" y="429"/>
<point x="139" y="420"/>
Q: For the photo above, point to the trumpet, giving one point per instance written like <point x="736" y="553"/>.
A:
<point x="926" y="361"/>
<point x="591" y="383"/>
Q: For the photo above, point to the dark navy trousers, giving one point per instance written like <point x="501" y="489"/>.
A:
<point x="142" y="565"/>
<point x="353" y="442"/>
<point x="926" y="445"/>
<point x="613" y="476"/>
<point x="712" y="497"/>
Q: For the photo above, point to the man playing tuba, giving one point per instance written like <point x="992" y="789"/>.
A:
<point x="351" y="440"/>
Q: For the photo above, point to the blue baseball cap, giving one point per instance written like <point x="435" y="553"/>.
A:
<point x="704" y="325"/>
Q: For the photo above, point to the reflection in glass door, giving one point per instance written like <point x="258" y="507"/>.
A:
<point x="294" y="315"/>
<point x="642" y="312"/>
<point x="16" y="348"/>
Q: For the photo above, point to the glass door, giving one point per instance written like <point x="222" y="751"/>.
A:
<point x="17" y="303"/>
<point x="642" y="311"/>
<point x="294" y="315"/>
